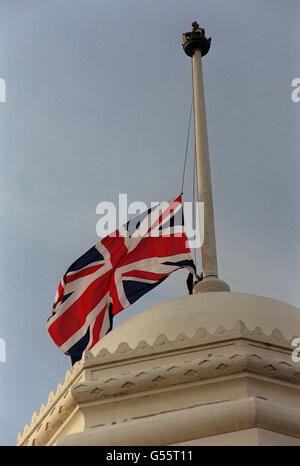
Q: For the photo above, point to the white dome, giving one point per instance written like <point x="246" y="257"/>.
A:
<point x="208" y="310"/>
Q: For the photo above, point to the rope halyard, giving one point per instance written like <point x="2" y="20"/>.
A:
<point x="187" y="147"/>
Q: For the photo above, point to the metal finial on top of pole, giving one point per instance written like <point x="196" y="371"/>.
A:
<point x="195" y="40"/>
<point x="196" y="45"/>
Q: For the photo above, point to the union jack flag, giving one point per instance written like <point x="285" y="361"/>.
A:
<point x="115" y="273"/>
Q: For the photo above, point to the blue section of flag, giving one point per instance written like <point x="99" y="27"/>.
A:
<point x="183" y="263"/>
<point x="135" y="290"/>
<point x="75" y="352"/>
<point x="92" y="255"/>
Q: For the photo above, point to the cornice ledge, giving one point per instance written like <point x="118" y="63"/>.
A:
<point x="234" y="360"/>
<point x="196" y="422"/>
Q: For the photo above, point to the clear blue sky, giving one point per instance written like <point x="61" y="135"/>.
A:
<point x="97" y="104"/>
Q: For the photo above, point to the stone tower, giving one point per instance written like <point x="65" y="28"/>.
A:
<point x="215" y="368"/>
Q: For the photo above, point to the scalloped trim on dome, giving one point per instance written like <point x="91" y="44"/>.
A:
<point x="124" y="351"/>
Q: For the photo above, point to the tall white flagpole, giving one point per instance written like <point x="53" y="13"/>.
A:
<point x="196" y="45"/>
